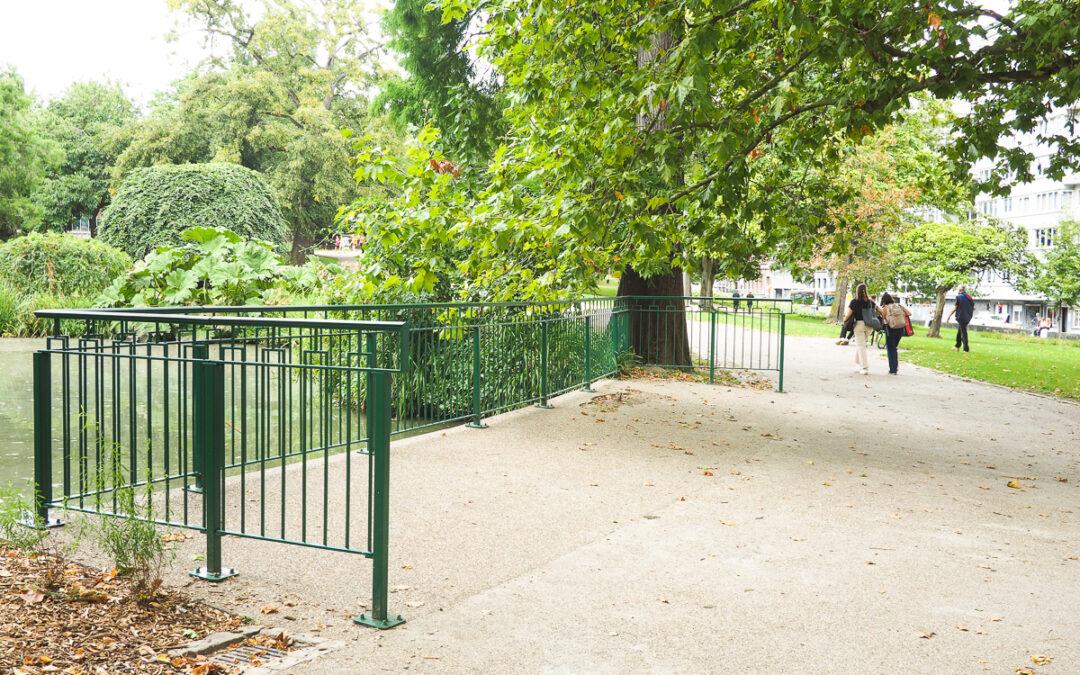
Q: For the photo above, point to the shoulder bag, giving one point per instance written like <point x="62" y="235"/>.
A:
<point x="870" y="317"/>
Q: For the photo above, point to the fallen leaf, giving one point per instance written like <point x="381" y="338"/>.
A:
<point x="1041" y="659"/>
<point x="1014" y="484"/>
<point x="32" y="597"/>
<point x="926" y="635"/>
<point x="268" y="609"/>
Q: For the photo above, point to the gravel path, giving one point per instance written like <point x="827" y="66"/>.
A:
<point x="853" y="524"/>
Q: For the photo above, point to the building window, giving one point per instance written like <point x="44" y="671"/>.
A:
<point x="1044" y="237"/>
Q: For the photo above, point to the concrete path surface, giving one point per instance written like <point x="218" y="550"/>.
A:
<point x="853" y="524"/>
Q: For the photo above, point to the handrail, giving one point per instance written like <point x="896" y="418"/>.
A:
<point x="195" y="319"/>
<point x="399" y="328"/>
<point x="242" y="309"/>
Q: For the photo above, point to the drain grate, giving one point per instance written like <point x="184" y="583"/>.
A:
<point x="249" y="655"/>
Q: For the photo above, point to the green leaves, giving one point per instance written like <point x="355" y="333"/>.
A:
<point x="215" y="267"/>
<point x="154" y="205"/>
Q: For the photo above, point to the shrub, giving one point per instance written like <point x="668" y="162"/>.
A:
<point x="132" y="542"/>
<point x="60" y="265"/>
<point x="155" y="204"/>
<point x="214" y="266"/>
<point x="17" y="312"/>
<point x="15" y="532"/>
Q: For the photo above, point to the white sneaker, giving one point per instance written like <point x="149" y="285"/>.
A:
<point x="864" y="371"/>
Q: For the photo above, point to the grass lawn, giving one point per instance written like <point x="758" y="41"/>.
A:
<point x="607" y="288"/>
<point x="1021" y="361"/>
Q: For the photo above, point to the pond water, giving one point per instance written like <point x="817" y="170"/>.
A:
<point x="16" y="409"/>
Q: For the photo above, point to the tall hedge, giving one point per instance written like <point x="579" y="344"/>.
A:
<point x="155" y="204"/>
<point x="60" y="265"/>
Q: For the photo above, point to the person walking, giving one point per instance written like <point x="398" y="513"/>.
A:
<point x="750" y="301"/>
<point x="867" y="319"/>
<point x="735" y="299"/>
<point x="964" y="309"/>
<point x="896" y="317"/>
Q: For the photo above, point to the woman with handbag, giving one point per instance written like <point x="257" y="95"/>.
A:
<point x="896" y="323"/>
<point x="867" y="319"/>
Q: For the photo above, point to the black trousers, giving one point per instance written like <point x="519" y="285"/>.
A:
<point x="962" y="335"/>
<point x="892" y="344"/>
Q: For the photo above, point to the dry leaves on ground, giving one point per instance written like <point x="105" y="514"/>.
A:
<point x="59" y="616"/>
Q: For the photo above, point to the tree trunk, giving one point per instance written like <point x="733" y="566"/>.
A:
<point x="708" y="278"/>
<point x="939" y="309"/>
<point x="301" y="242"/>
<point x="658" y="332"/>
<point x="839" y="304"/>
<point x="687" y="283"/>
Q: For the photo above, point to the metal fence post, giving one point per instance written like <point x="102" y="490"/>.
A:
<point x="712" y="344"/>
<point x="208" y="409"/>
<point x="476" y="422"/>
<point x="544" y="341"/>
<point x="588" y="354"/>
<point x="199" y="350"/>
<point x="42" y="442"/>
<point x="379" y="453"/>
<point x="780" y="379"/>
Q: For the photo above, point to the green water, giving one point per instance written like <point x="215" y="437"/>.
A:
<point x="16" y="409"/>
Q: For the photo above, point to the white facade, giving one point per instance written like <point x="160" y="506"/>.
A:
<point x="779" y="283"/>
<point x="1038" y="207"/>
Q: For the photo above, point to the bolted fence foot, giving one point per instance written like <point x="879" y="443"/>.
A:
<point x="391" y="620"/>
<point x="588" y="389"/>
<point x="206" y="575"/>
<point x="545" y="406"/>
<point x="28" y="520"/>
<point x="476" y="425"/>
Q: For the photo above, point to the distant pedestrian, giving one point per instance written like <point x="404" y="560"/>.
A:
<point x="964" y="309"/>
<point x="735" y="300"/>
<point x="749" y="301"/>
<point x="896" y="318"/>
<point x="1045" y="325"/>
<point x="867" y="318"/>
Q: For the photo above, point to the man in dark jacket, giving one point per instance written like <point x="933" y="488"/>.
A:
<point x="964" y="309"/>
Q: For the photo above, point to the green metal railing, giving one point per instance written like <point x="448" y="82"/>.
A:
<point x="234" y="426"/>
<point x="274" y="423"/>
<point x="709" y="334"/>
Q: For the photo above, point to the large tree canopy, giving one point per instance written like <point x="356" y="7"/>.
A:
<point x="275" y="96"/>
<point x="932" y="258"/>
<point x="635" y="128"/>
<point x="24" y="156"/>
<point x="86" y="124"/>
<point x="442" y="86"/>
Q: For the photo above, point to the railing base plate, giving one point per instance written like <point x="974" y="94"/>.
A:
<point x="205" y="575"/>
<point x="48" y="524"/>
<point x="390" y="621"/>
<point x="545" y="406"/>
<point x="476" y="425"/>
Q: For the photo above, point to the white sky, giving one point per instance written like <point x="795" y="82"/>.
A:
<point x="53" y="43"/>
